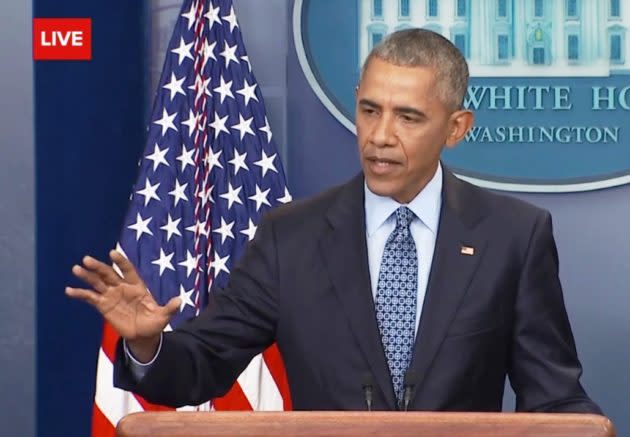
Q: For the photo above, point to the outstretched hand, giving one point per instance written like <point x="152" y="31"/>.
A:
<point x="123" y="301"/>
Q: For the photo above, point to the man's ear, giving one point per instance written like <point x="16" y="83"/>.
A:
<point x="460" y="122"/>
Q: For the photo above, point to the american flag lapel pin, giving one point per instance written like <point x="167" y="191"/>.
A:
<point x="467" y="250"/>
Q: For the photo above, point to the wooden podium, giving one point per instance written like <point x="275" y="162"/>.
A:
<point x="351" y="424"/>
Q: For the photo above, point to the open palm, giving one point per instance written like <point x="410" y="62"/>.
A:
<point x="122" y="300"/>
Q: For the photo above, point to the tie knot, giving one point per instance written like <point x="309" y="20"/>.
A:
<point x="404" y="216"/>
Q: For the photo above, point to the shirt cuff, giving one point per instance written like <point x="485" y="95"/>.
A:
<point x="138" y="369"/>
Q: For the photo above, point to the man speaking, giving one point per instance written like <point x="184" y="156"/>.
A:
<point x="405" y="281"/>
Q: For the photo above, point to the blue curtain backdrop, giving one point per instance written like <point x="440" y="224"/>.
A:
<point x="90" y="126"/>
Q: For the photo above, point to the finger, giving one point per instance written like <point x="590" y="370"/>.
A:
<point x="173" y="305"/>
<point x="90" y="277"/>
<point x="88" y="296"/>
<point x="105" y="271"/>
<point x="128" y="270"/>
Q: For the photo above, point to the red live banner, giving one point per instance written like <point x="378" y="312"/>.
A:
<point x="62" y="39"/>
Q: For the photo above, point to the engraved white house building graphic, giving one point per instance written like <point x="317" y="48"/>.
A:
<point x="514" y="37"/>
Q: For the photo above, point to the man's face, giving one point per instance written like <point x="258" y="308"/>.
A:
<point x="402" y="126"/>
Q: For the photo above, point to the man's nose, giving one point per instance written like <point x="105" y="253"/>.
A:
<point x="383" y="133"/>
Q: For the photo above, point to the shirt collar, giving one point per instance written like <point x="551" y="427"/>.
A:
<point x="426" y="205"/>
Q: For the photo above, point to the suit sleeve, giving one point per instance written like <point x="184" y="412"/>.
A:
<point x="202" y="358"/>
<point x="544" y="369"/>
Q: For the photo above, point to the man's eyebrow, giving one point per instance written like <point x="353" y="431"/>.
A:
<point x="368" y="102"/>
<point x="408" y="110"/>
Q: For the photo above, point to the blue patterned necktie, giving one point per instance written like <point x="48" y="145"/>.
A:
<point x="396" y="296"/>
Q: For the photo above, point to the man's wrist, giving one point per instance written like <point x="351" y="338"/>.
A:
<point x="144" y="350"/>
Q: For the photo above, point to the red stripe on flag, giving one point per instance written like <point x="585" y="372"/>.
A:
<point x="234" y="400"/>
<point x="110" y="338"/>
<point x="148" y="406"/>
<point x="276" y="368"/>
<point x="101" y="427"/>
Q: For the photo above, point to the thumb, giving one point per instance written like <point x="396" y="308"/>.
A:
<point x="173" y="305"/>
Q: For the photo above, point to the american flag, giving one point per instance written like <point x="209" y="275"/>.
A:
<point x="209" y="171"/>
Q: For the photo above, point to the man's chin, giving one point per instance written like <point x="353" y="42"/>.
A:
<point x="380" y="188"/>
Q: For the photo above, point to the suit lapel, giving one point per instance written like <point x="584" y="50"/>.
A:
<point x="344" y="251"/>
<point x="452" y="270"/>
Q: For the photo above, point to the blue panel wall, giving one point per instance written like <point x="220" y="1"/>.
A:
<point x="89" y="136"/>
<point x="17" y="222"/>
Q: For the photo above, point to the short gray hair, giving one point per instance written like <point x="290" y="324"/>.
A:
<point x="424" y="48"/>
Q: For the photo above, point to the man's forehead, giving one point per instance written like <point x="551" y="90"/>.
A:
<point x="379" y="65"/>
<point x="392" y="78"/>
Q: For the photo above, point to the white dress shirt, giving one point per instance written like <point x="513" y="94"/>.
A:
<point x="380" y="222"/>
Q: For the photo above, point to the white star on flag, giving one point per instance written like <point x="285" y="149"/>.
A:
<point x="244" y="126"/>
<point x="141" y="226"/>
<point x="186" y="158"/>
<point x="185" y="298"/>
<point x="219" y="125"/>
<point x="199" y="227"/>
<point x="212" y="159"/>
<point x="179" y="192"/>
<point x="286" y="198"/>
<point x="246" y="59"/>
<point x="266" y="163"/>
<point x="250" y="230"/>
<point x="232" y="195"/>
<point x="183" y="51"/>
<point x="220" y="264"/>
<point x="266" y="129"/>
<point x="190" y="263"/>
<point x="190" y="15"/>
<point x="149" y="192"/>
<point x="248" y="92"/>
<point x="239" y="162"/>
<point x="164" y="261"/>
<point x="200" y="87"/>
<point x="158" y="157"/>
<point x="175" y="86"/>
<point x="191" y="122"/>
<point x="231" y="19"/>
<point x="225" y="230"/>
<point x="260" y="197"/>
<point x="171" y="227"/>
<point x="167" y="121"/>
<point x="229" y="53"/>
<point x="224" y="89"/>
<point x="205" y="194"/>
<point x="208" y="52"/>
<point x="213" y="16"/>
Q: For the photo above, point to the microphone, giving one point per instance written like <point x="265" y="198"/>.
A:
<point x="411" y="379"/>
<point x="367" y="386"/>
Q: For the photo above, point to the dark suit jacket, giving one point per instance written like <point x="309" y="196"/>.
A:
<point x="304" y="282"/>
